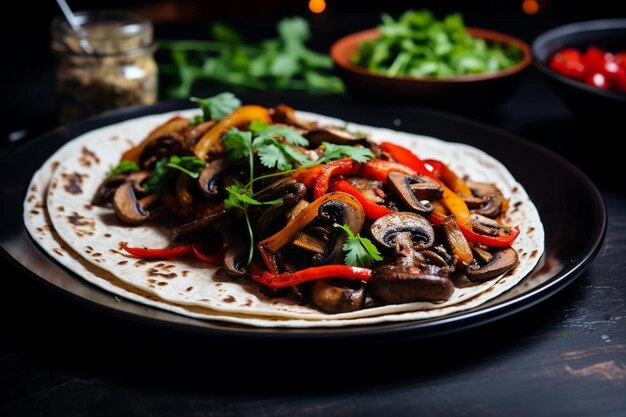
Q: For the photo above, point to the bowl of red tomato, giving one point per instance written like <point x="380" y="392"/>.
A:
<point x="586" y="64"/>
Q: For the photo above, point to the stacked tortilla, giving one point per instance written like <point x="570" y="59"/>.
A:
<point x="86" y="239"/>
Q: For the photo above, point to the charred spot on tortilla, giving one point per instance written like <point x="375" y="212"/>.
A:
<point x="61" y="208"/>
<point x="58" y="251"/>
<point x="33" y="188"/>
<point x="534" y="253"/>
<point x="248" y="302"/>
<point x="122" y="262"/>
<point x="154" y="272"/>
<point x="73" y="182"/>
<point x="96" y="255"/>
<point x="107" y="235"/>
<point x="189" y="289"/>
<point x="35" y="212"/>
<point x="82" y="225"/>
<point x="31" y="198"/>
<point x="185" y="273"/>
<point x="152" y="280"/>
<point x="114" y="138"/>
<point x="229" y="299"/>
<point x="88" y="207"/>
<point x="88" y="158"/>
<point x="54" y="165"/>
<point x="162" y="283"/>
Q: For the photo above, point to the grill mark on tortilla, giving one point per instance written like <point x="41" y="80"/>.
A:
<point x="122" y="262"/>
<point x="54" y="165"/>
<point x="73" y="182"/>
<point x="189" y="289"/>
<point x="162" y="283"/>
<point x="514" y="189"/>
<point x="107" y="235"/>
<point x="54" y="185"/>
<point x="34" y="188"/>
<point x="153" y="272"/>
<point x="533" y="253"/>
<point x="96" y="255"/>
<point x="31" y="198"/>
<point x="35" y="212"/>
<point x="229" y="299"/>
<point x="185" y="273"/>
<point x="152" y="280"/>
<point x="88" y="207"/>
<point x="248" y="302"/>
<point x="113" y="251"/>
<point x="58" y="251"/>
<point x="530" y="229"/>
<point x="88" y="158"/>
<point x="61" y="208"/>
<point x="82" y="225"/>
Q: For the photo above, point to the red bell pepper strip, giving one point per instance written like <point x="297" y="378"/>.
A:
<point x="308" y="175"/>
<point x="160" y="253"/>
<point x="276" y="281"/>
<point x="406" y="157"/>
<point x="379" y="169"/>
<point x="371" y="209"/>
<point x="504" y="240"/>
<point x="346" y="166"/>
<point x="202" y="256"/>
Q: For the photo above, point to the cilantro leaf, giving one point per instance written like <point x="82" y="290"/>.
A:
<point x="219" y="106"/>
<point x="333" y="152"/>
<point x="360" y="251"/>
<point x="190" y="165"/>
<point x="257" y="126"/>
<point x="124" y="167"/>
<point x="271" y="155"/>
<point x="196" y="120"/>
<point x="159" y="178"/>
<point x="290" y="135"/>
<point x="238" y="144"/>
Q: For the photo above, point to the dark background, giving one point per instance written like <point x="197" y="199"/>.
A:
<point x="566" y="357"/>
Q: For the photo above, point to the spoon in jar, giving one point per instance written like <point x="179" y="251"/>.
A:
<point x="71" y="19"/>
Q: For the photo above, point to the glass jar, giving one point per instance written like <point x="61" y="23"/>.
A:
<point x="118" y="71"/>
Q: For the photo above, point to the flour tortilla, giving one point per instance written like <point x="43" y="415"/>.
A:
<point x="95" y="233"/>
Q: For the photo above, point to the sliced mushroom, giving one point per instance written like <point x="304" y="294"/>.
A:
<point x="486" y="226"/>
<point x="394" y="285"/>
<point x="295" y="210"/>
<point x="310" y="243"/>
<point x="502" y="262"/>
<point x="387" y="228"/>
<point x="334" y="135"/>
<point x="127" y="207"/>
<point x="160" y="148"/>
<point x="332" y="207"/>
<point x="211" y="176"/>
<point x="235" y="261"/>
<point x="188" y="230"/>
<point x="192" y="134"/>
<point x="492" y="199"/>
<point x="411" y="190"/>
<point x="338" y="296"/>
<point x="106" y="190"/>
<point x="292" y="191"/>
<point x="371" y="189"/>
<point x="287" y="115"/>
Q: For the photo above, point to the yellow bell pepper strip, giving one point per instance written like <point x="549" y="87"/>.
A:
<point x="449" y="177"/>
<point x="276" y="281"/>
<point x="175" y="124"/>
<point x="210" y="141"/>
<point x="268" y="247"/>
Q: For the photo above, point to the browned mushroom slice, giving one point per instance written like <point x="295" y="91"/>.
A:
<point x="395" y="285"/>
<point x="491" y="196"/>
<point x="310" y="243"/>
<point x="334" y="135"/>
<point x="501" y="262"/>
<point x="188" y="230"/>
<point x="292" y="191"/>
<point x="338" y="296"/>
<point x="387" y="228"/>
<point x="486" y="226"/>
<point x="412" y="190"/>
<point x="287" y="115"/>
<point x="160" y="148"/>
<point x="235" y="260"/>
<point x="106" y="190"/>
<point x="128" y="208"/>
<point x="371" y="189"/>
<point x="211" y="176"/>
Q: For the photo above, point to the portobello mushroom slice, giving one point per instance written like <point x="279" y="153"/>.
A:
<point x="106" y="190"/>
<point x="500" y="263"/>
<point x="211" y="177"/>
<point x="391" y="284"/>
<point x="386" y="229"/>
<point x="235" y="261"/>
<point x="128" y="208"/>
<point x="334" y="135"/>
<point x="492" y="199"/>
<point x="160" y="148"/>
<point x="412" y="190"/>
<point x="338" y="296"/>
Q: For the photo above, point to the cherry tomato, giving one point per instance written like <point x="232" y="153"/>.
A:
<point x="597" y="80"/>
<point x="594" y="59"/>
<point x="568" y="62"/>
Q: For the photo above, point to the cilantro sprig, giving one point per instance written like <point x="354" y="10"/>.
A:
<point x="360" y="251"/>
<point x="165" y="169"/>
<point x="217" y="107"/>
<point x="333" y="152"/>
<point x="124" y="167"/>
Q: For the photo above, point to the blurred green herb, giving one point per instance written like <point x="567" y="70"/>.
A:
<point x="282" y="63"/>
<point x="419" y="45"/>
<point x="124" y="167"/>
<point x="217" y="107"/>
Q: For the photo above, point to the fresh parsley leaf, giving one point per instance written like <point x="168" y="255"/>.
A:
<point x="238" y="144"/>
<point x="360" y="251"/>
<point x="124" y="167"/>
<point x="159" y="178"/>
<point x="333" y="152"/>
<point x="290" y="135"/>
<point x="190" y="165"/>
<point x="196" y="120"/>
<point x="219" y="106"/>
<point x="257" y="126"/>
<point x="226" y="34"/>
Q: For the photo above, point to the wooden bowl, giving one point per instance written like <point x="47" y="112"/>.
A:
<point x="465" y="93"/>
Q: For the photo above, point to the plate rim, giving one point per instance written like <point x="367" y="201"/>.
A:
<point x="374" y="332"/>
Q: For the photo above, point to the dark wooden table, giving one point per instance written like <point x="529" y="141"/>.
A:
<point x="564" y="357"/>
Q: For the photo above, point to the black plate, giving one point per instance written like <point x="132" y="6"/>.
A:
<point x="570" y="206"/>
